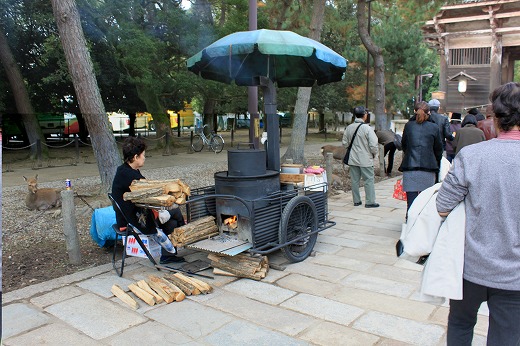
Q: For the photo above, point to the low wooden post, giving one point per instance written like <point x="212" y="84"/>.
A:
<point x="190" y="148"/>
<point x="39" y="153"/>
<point x="328" y="167"/>
<point x="69" y="226"/>
<point x="76" y="146"/>
<point x="381" y="160"/>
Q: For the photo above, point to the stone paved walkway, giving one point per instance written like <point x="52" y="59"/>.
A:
<point x="352" y="291"/>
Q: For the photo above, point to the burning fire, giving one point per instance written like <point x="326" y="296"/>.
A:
<point x="231" y="222"/>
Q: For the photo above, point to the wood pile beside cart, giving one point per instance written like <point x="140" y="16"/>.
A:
<point x="161" y="193"/>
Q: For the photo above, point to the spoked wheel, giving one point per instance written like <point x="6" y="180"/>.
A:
<point x="217" y="143"/>
<point x="299" y="217"/>
<point x="197" y="143"/>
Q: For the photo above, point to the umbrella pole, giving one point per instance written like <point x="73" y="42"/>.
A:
<point x="273" y="135"/>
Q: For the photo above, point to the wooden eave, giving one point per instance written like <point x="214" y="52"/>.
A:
<point x="472" y="18"/>
<point x="476" y="4"/>
<point x="512" y="30"/>
<point x="449" y="21"/>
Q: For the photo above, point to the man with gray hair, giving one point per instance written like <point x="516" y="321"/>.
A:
<point x="362" y="140"/>
<point x="442" y="122"/>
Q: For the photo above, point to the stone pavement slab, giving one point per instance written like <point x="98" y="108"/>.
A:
<point x="17" y="318"/>
<point x="305" y="284"/>
<point x="273" y="317"/>
<point x="317" y="271"/>
<point x="53" y="334"/>
<point x="150" y="333"/>
<point x="246" y="333"/>
<point x="190" y="318"/>
<point x="375" y="284"/>
<point x="323" y="308"/>
<point x="401" y="329"/>
<point x="56" y="296"/>
<point x="102" y="284"/>
<point x="261" y="291"/>
<point x="374" y="301"/>
<point x="327" y="334"/>
<point x="104" y="320"/>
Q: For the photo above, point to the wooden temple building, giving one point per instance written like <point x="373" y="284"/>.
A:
<point x="478" y="44"/>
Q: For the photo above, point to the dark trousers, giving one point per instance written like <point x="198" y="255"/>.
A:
<point x="176" y="220"/>
<point x="450" y="157"/>
<point x="389" y="149"/>
<point x="504" y="316"/>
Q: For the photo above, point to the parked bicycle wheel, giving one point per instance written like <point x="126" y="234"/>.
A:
<point x="216" y="143"/>
<point x="197" y="144"/>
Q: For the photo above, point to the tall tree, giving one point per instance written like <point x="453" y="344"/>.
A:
<point x="295" y="151"/>
<point x="379" y="65"/>
<point x="85" y="84"/>
<point x="23" y="103"/>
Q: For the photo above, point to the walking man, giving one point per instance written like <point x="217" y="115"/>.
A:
<point x="442" y="122"/>
<point x="361" y="159"/>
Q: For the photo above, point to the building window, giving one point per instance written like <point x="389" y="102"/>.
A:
<point x="470" y="56"/>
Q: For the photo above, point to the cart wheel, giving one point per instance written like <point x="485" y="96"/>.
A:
<point x="298" y="218"/>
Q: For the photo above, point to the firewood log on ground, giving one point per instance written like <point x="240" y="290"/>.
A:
<point x="241" y="265"/>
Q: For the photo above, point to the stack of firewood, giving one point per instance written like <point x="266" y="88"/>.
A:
<point x="155" y="290"/>
<point x="163" y="193"/>
<point x="241" y="265"/>
<point x="199" y="229"/>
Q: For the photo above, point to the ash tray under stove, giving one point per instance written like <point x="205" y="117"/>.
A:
<point x="222" y="244"/>
<point x="195" y="266"/>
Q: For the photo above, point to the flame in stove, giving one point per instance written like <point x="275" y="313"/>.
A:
<point x="231" y="222"/>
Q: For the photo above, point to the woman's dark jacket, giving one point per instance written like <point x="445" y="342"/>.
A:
<point x="121" y="184"/>
<point x="422" y="147"/>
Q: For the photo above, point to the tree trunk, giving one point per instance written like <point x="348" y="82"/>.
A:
<point x="154" y="106"/>
<point x="379" y="66"/>
<point x="295" y="151"/>
<point x="85" y="84"/>
<point x="21" y="97"/>
<point x="209" y="114"/>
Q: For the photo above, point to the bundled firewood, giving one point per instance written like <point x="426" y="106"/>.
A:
<point x="189" y="286"/>
<point x="168" y="291"/>
<point x="158" y="192"/>
<point x="202" y="228"/>
<point x="241" y="265"/>
<point x="155" y="290"/>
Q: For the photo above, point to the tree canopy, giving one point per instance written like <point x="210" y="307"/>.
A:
<point x="139" y="50"/>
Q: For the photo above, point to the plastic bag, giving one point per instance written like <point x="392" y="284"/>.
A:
<point x="398" y="191"/>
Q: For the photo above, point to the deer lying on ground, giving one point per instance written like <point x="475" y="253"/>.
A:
<point x="41" y="199"/>
<point x="338" y="152"/>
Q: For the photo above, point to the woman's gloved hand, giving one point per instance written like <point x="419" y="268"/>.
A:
<point x="164" y="215"/>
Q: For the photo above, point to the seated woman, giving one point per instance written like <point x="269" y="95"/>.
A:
<point x="158" y="229"/>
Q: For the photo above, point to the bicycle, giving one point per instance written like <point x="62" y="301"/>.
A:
<point x="215" y="142"/>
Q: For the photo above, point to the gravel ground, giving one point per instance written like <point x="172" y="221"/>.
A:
<point x="34" y="244"/>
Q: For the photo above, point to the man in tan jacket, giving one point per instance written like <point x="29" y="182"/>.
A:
<point x="361" y="158"/>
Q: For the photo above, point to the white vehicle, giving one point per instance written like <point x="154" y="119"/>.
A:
<point x="120" y="121"/>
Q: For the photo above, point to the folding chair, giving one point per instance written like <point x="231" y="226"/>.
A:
<point x="129" y="230"/>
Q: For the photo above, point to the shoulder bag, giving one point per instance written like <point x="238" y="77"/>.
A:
<point x="347" y="155"/>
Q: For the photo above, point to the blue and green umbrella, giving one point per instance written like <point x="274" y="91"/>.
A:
<point x="284" y="57"/>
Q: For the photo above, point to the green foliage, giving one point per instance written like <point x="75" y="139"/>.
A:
<point x="139" y="51"/>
